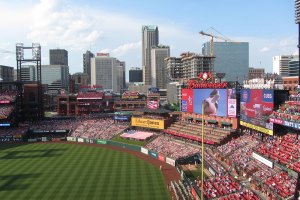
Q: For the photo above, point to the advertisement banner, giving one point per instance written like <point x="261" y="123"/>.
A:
<point x="32" y="140"/>
<point x="144" y="151"/>
<point x="161" y="157"/>
<point x="80" y="140"/>
<point x="257" y="128"/>
<point x="101" y="141"/>
<point x="152" y="154"/>
<point x="231" y="103"/>
<point x="147" y="123"/>
<point x="262" y="160"/>
<point x="72" y="139"/>
<point x="215" y="101"/>
<point x="291" y="124"/>
<point x="184" y="106"/>
<point x="44" y="139"/>
<point x="211" y="171"/>
<point x="121" y="118"/>
<point x="170" y="161"/>
<point x="256" y="106"/>
<point x="276" y="121"/>
<point x="187" y="97"/>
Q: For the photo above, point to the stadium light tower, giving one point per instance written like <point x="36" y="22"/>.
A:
<point x="297" y="20"/>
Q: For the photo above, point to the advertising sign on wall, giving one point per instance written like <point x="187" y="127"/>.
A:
<point x="147" y="123"/>
<point x="144" y="151"/>
<point x="170" y="161"/>
<point x="256" y="106"/>
<point x="187" y="96"/>
<point x="262" y="160"/>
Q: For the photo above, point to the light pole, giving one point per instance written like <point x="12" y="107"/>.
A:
<point x="202" y="160"/>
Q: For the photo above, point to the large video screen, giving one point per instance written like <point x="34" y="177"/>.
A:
<point x="217" y="102"/>
<point x="256" y="106"/>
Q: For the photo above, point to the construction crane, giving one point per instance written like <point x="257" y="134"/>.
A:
<point x="212" y="40"/>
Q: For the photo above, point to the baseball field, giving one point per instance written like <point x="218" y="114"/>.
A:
<point x="72" y="171"/>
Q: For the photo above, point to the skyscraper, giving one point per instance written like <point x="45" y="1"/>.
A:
<point x="56" y="77"/>
<point x="150" y="38"/>
<point x="87" y="64"/>
<point x="106" y="71"/>
<point x="158" y="55"/>
<point x="281" y="64"/>
<point x="58" y="57"/>
<point x="232" y="58"/>
<point x="135" y="75"/>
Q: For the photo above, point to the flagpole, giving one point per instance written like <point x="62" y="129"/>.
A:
<point x="202" y="161"/>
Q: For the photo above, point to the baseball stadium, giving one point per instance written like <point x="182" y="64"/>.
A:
<point x="226" y="142"/>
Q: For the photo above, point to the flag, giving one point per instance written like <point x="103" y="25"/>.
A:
<point x="152" y="104"/>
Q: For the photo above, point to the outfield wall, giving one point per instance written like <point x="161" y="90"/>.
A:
<point x="143" y="150"/>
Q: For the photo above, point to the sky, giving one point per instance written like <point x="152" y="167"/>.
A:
<point x="114" y="26"/>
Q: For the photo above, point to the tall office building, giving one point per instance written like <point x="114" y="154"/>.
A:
<point x="28" y="73"/>
<point x="121" y="82"/>
<point x="294" y="66"/>
<point x="87" y="63"/>
<point x="231" y="58"/>
<point x="6" y="73"/>
<point x="150" y="38"/>
<point x="281" y="64"/>
<point x="158" y="55"/>
<point x="56" y="77"/>
<point x="58" y="57"/>
<point x="135" y="75"/>
<point x="105" y="72"/>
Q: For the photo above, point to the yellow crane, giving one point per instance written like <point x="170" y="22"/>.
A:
<point x="212" y="40"/>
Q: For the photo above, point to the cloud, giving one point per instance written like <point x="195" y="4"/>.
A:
<point x="57" y="23"/>
<point x="264" y="49"/>
<point x="126" y="48"/>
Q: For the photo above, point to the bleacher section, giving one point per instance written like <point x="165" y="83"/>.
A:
<point x="283" y="150"/>
<point x="193" y="131"/>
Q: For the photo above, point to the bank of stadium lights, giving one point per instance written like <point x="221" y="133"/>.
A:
<point x="35" y="48"/>
<point x="19" y="51"/>
<point x="297" y="11"/>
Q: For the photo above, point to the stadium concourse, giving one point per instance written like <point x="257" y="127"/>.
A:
<point x="244" y="165"/>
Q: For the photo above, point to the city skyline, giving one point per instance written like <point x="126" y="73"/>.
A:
<point x="115" y="28"/>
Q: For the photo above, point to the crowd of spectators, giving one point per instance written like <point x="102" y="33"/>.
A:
<point x="220" y="186"/>
<point x="104" y="128"/>
<point x="283" y="150"/>
<point x="8" y="95"/>
<point x="246" y="194"/>
<point x="234" y="144"/>
<point x="283" y="184"/>
<point x="169" y="147"/>
<point x="54" y="124"/>
<point x="5" y="111"/>
<point x="289" y="110"/>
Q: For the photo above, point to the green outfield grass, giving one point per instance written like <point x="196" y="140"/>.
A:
<point x="70" y="171"/>
<point x="118" y="138"/>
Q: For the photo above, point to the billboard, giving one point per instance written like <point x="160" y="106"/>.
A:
<point x="147" y="123"/>
<point x="256" y="107"/>
<point x="217" y="102"/>
<point x="187" y="97"/>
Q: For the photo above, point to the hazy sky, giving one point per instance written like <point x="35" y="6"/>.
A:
<point x="114" y="26"/>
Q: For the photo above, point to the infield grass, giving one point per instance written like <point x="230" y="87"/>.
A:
<point x="71" y="171"/>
